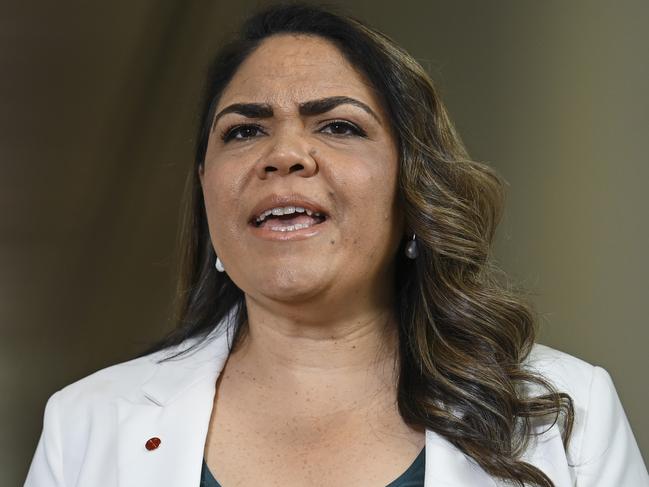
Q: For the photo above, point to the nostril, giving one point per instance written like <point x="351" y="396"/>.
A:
<point x="293" y="168"/>
<point x="296" y="167"/>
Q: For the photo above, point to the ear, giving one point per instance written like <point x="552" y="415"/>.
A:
<point x="201" y="173"/>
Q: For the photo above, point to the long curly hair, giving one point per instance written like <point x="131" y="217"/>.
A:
<point x="464" y="333"/>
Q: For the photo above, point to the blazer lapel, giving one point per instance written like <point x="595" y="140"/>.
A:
<point x="174" y="405"/>
<point x="546" y="452"/>
<point x="446" y="466"/>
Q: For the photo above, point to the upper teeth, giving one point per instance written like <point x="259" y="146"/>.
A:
<point x="285" y="210"/>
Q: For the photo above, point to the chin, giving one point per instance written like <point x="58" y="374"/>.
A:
<point x="290" y="285"/>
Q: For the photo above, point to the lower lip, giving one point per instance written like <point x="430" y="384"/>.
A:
<point x="266" y="233"/>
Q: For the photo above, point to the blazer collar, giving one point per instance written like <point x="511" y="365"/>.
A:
<point x="174" y="376"/>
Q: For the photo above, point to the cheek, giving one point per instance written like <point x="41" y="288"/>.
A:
<point x="368" y="195"/>
<point x="220" y="194"/>
<point x="372" y="189"/>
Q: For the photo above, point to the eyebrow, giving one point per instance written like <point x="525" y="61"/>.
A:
<point x="308" y="108"/>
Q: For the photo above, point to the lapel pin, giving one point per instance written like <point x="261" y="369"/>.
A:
<point x="152" y="443"/>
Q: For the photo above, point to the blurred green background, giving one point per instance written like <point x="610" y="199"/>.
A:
<point x="99" y="106"/>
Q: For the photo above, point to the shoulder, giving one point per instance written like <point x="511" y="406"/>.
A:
<point x="153" y="377"/>
<point x="569" y="375"/>
<point x="566" y="372"/>
<point x="75" y="410"/>
<point x="582" y="381"/>
<point x="602" y="447"/>
<point x="84" y="421"/>
<point x="81" y="412"/>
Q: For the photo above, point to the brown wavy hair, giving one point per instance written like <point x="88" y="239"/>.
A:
<point x="463" y="332"/>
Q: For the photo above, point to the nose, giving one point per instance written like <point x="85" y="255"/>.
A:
<point x="289" y="153"/>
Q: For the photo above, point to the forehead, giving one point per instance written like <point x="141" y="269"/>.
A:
<point x="288" y="69"/>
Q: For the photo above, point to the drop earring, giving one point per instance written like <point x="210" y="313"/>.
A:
<point x="219" y="265"/>
<point x="411" y="248"/>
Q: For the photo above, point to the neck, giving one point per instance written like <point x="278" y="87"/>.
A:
<point x="337" y="360"/>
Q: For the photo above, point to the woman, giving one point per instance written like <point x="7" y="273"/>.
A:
<point x="340" y="321"/>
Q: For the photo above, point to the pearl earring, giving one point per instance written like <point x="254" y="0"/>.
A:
<point x="411" y="248"/>
<point x="219" y="265"/>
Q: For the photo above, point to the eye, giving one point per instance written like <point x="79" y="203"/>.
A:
<point x="343" y="128"/>
<point x="241" y="132"/>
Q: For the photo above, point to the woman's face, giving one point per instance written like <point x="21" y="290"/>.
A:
<point x="300" y="129"/>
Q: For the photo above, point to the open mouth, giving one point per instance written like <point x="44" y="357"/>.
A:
<point x="288" y="219"/>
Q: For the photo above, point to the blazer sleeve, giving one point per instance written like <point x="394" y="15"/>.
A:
<point x="46" y="469"/>
<point x="608" y="454"/>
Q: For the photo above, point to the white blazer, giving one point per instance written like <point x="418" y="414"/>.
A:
<point x="95" y="430"/>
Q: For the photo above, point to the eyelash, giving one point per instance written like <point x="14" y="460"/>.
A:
<point x="231" y="133"/>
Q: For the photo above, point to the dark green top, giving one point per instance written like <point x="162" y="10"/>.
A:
<point x="412" y="477"/>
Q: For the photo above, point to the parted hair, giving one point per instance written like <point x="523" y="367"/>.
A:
<point x="464" y="332"/>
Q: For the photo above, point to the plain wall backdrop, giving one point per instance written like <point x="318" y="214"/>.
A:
<point x="99" y="106"/>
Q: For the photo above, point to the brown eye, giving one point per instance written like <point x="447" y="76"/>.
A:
<point x="340" y="127"/>
<point x="241" y="132"/>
